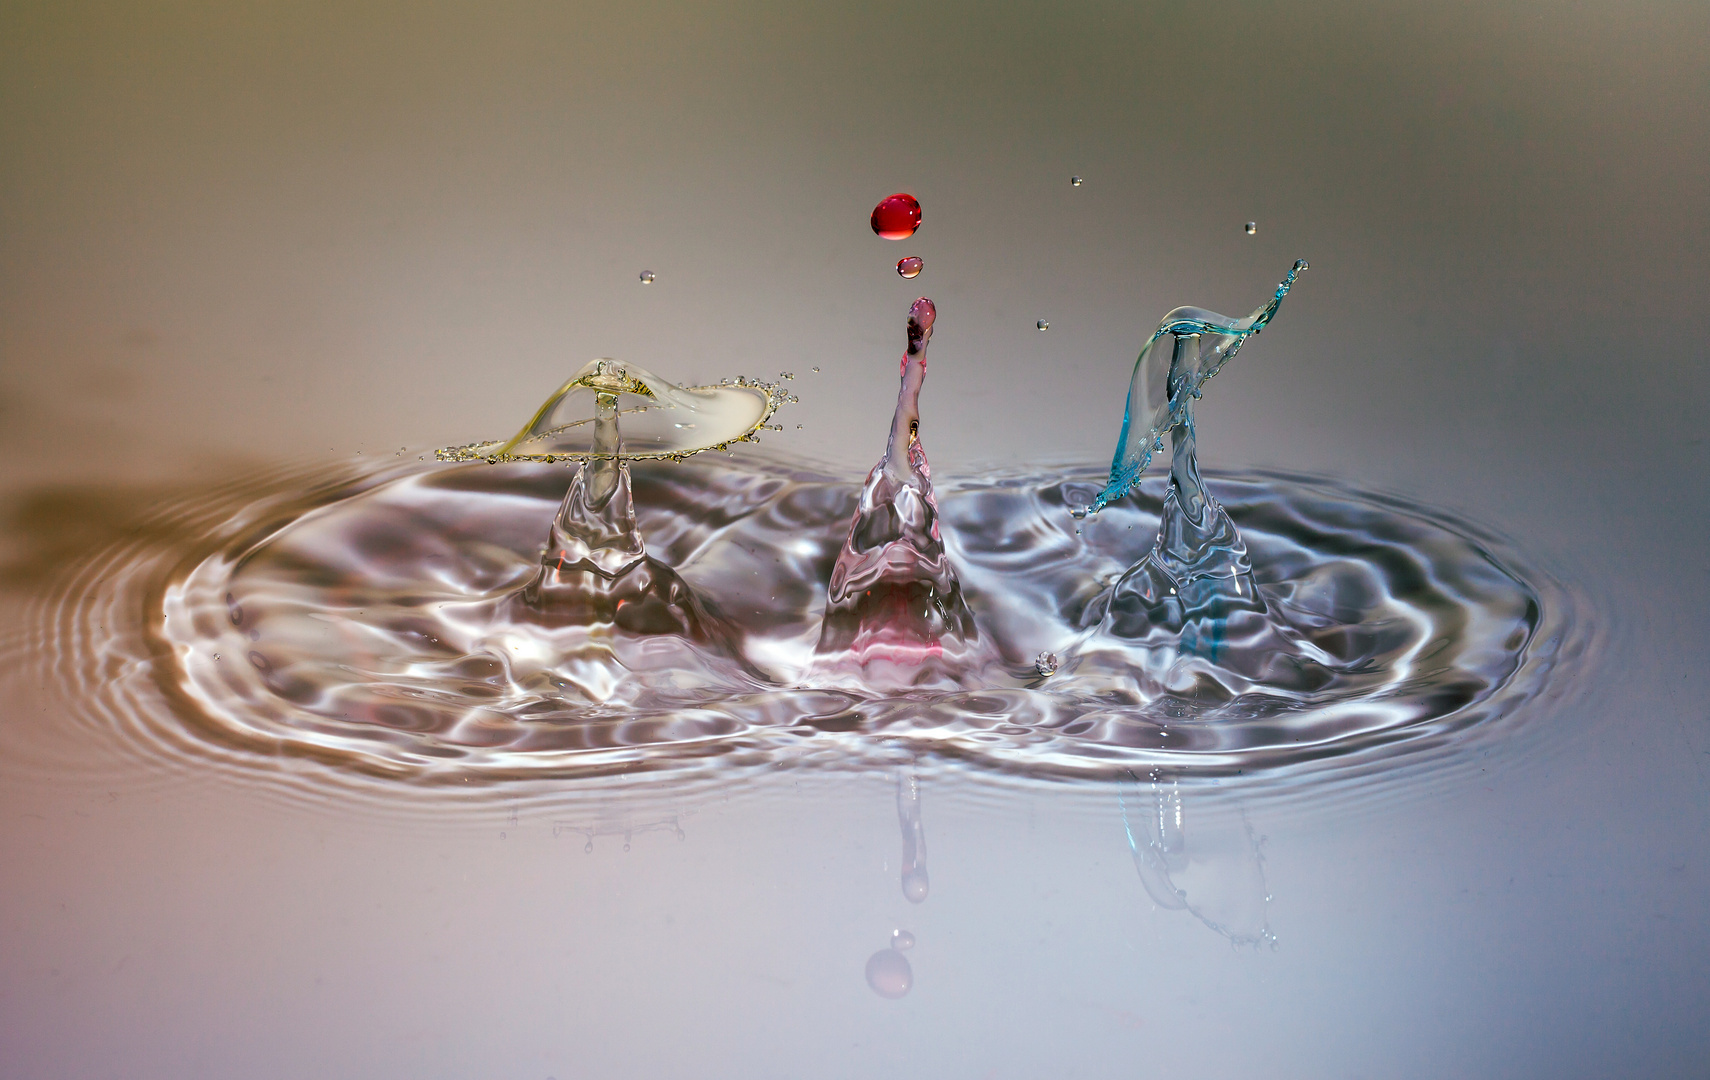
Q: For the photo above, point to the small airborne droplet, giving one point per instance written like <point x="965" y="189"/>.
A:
<point x="910" y="267"/>
<point x="1046" y="664"/>
<point x="1252" y="227"/>
<point x="1074" y="181"/>
<point x="816" y="371"/>
<point x="902" y="940"/>
<point x="647" y="277"/>
<point x="897" y="216"/>
<point x="1043" y="325"/>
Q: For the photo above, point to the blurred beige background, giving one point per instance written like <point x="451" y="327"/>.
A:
<point x="291" y="228"/>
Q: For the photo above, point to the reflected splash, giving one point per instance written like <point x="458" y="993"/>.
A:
<point x="1201" y="857"/>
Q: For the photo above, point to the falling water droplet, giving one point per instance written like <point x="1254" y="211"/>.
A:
<point x="1046" y="664"/>
<point x="647" y="277"/>
<point x="902" y="940"/>
<point x="910" y="267"/>
<point x="888" y="974"/>
<point x="1252" y="227"/>
<point x="816" y="371"/>
<point x="1043" y="325"/>
<point x="897" y="216"/>
<point x="1300" y="264"/>
<point x="1074" y="181"/>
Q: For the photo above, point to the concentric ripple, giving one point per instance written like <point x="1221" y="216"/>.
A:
<point x="346" y="624"/>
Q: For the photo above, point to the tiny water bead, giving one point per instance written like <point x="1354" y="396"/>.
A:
<point x="910" y="267"/>
<point x="1045" y="664"/>
<point x="897" y="216"/>
<point x="1251" y="227"/>
<point x="1074" y="181"/>
<point x="648" y="277"/>
<point x="902" y="940"/>
<point x="1042" y="325"/>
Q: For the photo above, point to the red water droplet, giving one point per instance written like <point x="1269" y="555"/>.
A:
<point x="897" y="216"/>
<point x="923" y="313"/>
<point x="910" y="267"/>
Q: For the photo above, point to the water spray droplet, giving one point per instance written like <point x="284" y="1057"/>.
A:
<point x="910" y="267"/>
<point x="1043" y="325"/>
<point x="1074" y="181"/>
<point x="647" y="277"/>
<point x="897" y="216"/>
<point x="816" y="371"/>
<point x="1046" y="664"/>
<point x="1251" y="227"/>
<point x="902" y="940"/>
<point x="1300" y="264"/>
<point x="889" y="975"/>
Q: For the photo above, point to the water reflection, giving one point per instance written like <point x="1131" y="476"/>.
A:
<point x="889" y="973"/>
<point x="1212" y="866"/>
<point x="888" y="970"/>
<point x="609" y="825"/>
<point x="358" y="591"/>
<point x="915" y="883"/>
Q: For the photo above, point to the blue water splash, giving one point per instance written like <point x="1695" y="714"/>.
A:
<point x="1167" y="382"/>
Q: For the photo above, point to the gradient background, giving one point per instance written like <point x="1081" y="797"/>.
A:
<point x="238" y="234"/>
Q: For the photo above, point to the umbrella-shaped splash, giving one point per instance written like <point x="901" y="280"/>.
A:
<point x="612" y="410"/>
